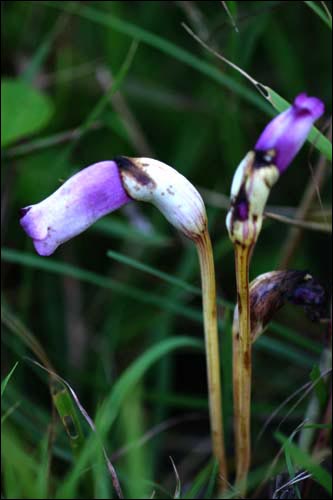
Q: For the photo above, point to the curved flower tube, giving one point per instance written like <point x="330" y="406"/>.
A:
<point x="145" y="179"/>
<point x="255" y="176"/>
<point x="106" y="186"/>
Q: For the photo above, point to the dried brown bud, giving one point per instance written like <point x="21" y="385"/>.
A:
<point x="270" y="291"/>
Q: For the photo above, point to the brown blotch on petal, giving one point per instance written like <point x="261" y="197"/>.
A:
<point x="129" y="166"/>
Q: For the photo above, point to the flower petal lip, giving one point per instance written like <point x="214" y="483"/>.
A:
<point x="84" y="198"/>
<point x="287" y="132"/>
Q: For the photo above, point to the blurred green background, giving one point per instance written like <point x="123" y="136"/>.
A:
<point x="84" y="82"/>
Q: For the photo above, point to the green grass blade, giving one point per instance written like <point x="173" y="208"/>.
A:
<point x="212" y="480"/>
<point x="320" y="12"/>
<point x="165" y="46"/>
<point x="16" y="326"/>
<point x="172" y="280"/>
<point x="44" y="49"/>
<point x="281" y="330"/>
<point x="317" y="426"/>
<point x="43" y="471"/>
<point x="68" y="416"/>
<point x="19" y="467"/>
<point x="106" y="19"/>
<point x="136" y="461"/>
<point x="111" y="226"/>
<point x="7" y="378"/>
<point x="304" y="460"/>
<point x="111" y="406"/>
<point x="135" y="372"/>
<point x="199" y="481"/>
<point x="291" y="470"/>
<point x="115" y="85"/>
<point x="64" y="269"/>
<point x="300" y="340"/>
<point x="57" y="267"/>
<point x="285" y="351"/>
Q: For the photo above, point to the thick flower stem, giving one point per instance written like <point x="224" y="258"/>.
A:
<point x="205" y="253"/>
<point x="242" y="367"/>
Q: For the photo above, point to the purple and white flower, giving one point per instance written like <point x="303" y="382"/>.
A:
<point x="86" y="197"/>
<point x="287" y="132"/>
<point x="105" y="186"/>
<point x="260" y="169"/>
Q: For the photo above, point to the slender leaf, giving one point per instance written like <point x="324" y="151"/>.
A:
<point x="7" y="378"/>
<point x="304" y="460"/>
<point x="320" y="12"/>
<point x="134" y="31"/>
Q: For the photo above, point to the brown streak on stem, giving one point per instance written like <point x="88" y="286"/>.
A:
<point x="204" y="248"/>
<point x="242" y="367"/>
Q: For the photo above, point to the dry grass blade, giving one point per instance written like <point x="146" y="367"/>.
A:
<point x="18" y="328"/>
<point x="178" y="490"/>
<point x="300" y="477"/>
<point x="259" y="86"/>
<point x="329" y="15"/>
<point x="153" y="432"/>
<point x="307" y="388"/>
<point x="233" y="22"/>
<point x="301" y="224"/>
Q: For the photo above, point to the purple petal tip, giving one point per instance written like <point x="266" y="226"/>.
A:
<point x="287" y="132"/>
<point x="84" y="198"/>
<point x="313" y="105"/>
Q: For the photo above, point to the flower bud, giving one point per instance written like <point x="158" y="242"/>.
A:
<point x="270" y="291"/>
<point x="250" y="189"/>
